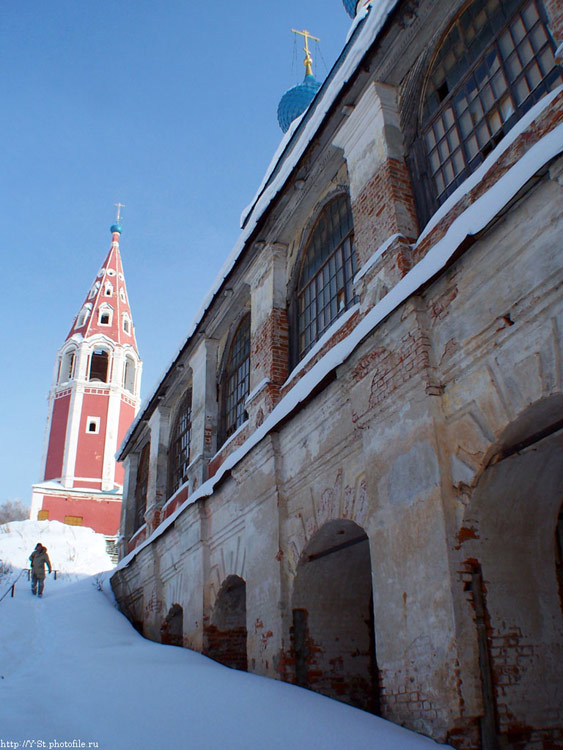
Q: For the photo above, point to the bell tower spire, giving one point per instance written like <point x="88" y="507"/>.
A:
<point x="93" y="399"/>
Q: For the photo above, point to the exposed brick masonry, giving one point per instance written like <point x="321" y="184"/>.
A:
<point x="384" y="207"/>
<point x="554" y="11"/>
<point x="547" y="121"/>
<point x="270" y="353"/>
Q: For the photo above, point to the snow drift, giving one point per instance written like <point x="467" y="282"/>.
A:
<point x="73" y="670"/>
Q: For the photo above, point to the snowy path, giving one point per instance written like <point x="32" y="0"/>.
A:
<point x="73" y="668"/>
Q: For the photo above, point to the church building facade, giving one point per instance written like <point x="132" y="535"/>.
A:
<point x="92" y="402"/>
<point x="350" y="476"/>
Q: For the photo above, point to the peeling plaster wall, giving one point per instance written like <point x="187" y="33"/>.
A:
<point x="403" y="467"/>
<point x="395" y="501"/>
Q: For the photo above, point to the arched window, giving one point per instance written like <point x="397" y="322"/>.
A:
<point x="99" y="365"/>
<point x="496" y="61"/>
<point x="235" y="381"/>
<point x="108" y="289"/>
<point x="129" y="375"/>
<point x="94" y="289"/>
<point x="105" y="315"/>
<point x="325" y="286"/>
<point x="83" y="315"/>
<point x="126" y="324"/>
<point x="67" y="366"/>
<point x="141" y="487"/>
<point x="179" y="453"/>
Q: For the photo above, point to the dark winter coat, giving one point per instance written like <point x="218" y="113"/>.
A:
<point x="39" y="558"/>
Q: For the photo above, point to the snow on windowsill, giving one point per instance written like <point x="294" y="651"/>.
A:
<point x="339" y="323"/>
<point x="476" y="177"/>
<point x="375" y="256"/>
<point x="138" y="532"/>
<point x="473" y="220"/>
<point x="255" y="391"/>
<point x="232" y="437"/>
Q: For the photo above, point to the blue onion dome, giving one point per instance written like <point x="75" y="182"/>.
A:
<point x="115" y="228"/>
<point x="296" y="100"/>
<point x="350" y="6"/>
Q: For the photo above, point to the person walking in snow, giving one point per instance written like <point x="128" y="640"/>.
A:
<point x="39" y="558"/>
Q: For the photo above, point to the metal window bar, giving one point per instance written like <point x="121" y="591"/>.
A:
<point x="180" y="446"/>
<point x="237" y="379"/>
<point x="326" y="290"/>
<point x="513" y="70"/>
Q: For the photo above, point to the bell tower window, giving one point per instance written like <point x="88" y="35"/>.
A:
<point x="94" y="289"/>
<point x="105" y="315"/>
<point x="67" y="366"/>
<point x="129" y="375"/>
<point x="83" y="316"/>
<point x="99" y="365"/>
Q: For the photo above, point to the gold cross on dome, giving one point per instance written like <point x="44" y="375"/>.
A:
<point x="307" y="62"/>
<point x="119" y="207"/>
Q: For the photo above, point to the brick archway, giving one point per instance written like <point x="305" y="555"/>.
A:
<point x="333" y="624"/>
<point x="510" y="544"/>
<point x="225" y="636"/>
<point x="172" y="629"/>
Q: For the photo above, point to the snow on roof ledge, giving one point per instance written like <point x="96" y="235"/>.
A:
<point x="469" y="223"/>
<point x="311" y="120"/>
<point x="374" y="21"/>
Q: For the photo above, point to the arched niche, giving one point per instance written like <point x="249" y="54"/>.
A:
<point x="225" y="636"/>
<point x="172" y="628"/>
<point x="511" y="546"/>
<point x="333" y="629"/>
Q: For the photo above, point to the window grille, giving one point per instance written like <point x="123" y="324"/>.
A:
<point x="141" y="487"/>
<point x="325" y="288"/>
<point x="236" y="380"/>
<point x="495" y="63"/>
<point x="179" y="456"/>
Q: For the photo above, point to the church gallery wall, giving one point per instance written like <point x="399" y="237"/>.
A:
<point x="350" y="476"/>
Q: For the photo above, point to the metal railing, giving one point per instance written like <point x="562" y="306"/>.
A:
<point x="12" y="586"/>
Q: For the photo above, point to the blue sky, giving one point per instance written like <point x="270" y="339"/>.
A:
<point x="168" y="107"/>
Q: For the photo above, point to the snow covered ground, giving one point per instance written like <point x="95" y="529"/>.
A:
<point x="73" y="671"/>
<point x="74" y="551"/>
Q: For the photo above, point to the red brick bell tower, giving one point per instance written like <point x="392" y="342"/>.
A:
<point x="93" y="400"/>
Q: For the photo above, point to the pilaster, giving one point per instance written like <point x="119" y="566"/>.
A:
<point x="380" y="187"/>
<point x="126" y="526"/>
<point x="157" y="489"/>
<point x="269" y="355"/>
<point x="203" y="363"/>
<point x="554" y="11"/>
